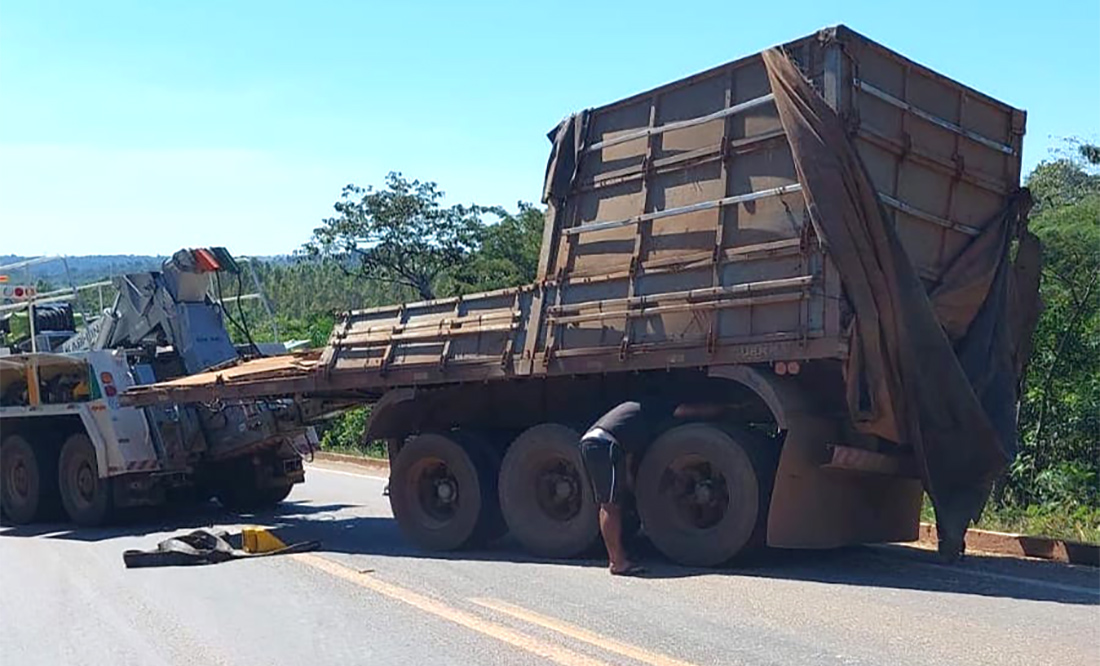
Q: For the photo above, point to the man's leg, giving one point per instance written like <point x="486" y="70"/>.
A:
<point x="600" y="464"/>
<point x="611" y="529"/>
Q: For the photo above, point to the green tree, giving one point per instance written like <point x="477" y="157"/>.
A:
<point x="1059" y="459"/>
<point x="400" y="234"/>
<point x="1067" y="179"/>
<point x="508" y="255"/>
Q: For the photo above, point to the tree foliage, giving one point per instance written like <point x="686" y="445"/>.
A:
<point x="400" y="234"/>
<point x="1059" y="461"/>
<point x="507" y="255"/>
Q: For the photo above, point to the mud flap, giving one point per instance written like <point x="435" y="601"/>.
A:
<point x="812" y="507"/>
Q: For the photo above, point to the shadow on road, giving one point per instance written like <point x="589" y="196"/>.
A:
<point x="899" y="567"/>
<point x="141" y="522"/>
<point x="896" y="567"/>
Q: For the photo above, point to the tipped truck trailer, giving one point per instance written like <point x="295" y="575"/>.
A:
<point x="820" y="231"/>
<point x="66" y="443"/>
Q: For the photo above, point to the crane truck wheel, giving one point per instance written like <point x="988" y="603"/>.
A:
<point x="703" y="493"/>
<point x="544" y="494"/>
<point x="443" y="491"/>
<point x="86" y="497"/>
<point x="28" y="477"/>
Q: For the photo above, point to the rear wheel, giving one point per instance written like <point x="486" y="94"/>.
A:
<point x="85" y="496"/>
<point x="27" y="480"/>
<point x="443" y="491"/>
<point x="544" y="494"/>
<point x="703" y="492"/>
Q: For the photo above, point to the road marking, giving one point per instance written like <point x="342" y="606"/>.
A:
<point x="581" y="634"/>
<point x="326" y="470"/>
<point x="555" y="653"/>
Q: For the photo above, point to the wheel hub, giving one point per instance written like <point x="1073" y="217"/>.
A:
<point x="437" y="490"/>
<point x="558" y="490"/>
<point x="698" y="491"/>
<point x="85" y="482"/>
<point x="703" y="492"/>
<point x="445" y="491"/>
<point x="20" y="480"/>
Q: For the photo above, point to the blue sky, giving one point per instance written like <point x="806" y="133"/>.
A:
<point x="141" y="127"/>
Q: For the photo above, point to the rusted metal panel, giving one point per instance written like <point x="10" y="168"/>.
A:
<point x="684" y="239"/>
<point x="942" y="156"/>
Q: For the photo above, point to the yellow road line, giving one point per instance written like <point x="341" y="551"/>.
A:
<point x="555" y="653"/>
<point x="581" y="634"/>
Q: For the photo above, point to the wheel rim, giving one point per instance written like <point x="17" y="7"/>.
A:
<point x="697" y="490"/>
<point x="436" y="489"/>
<point x="82" y="484"/>
<point x="19" y="480"/>
<point x="558" y="489"/>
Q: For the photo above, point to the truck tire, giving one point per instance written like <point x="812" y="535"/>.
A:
<point x="545" y="495"/>
<point x="86" y="497"/>
<point x="443" y="491"/>
<point x="28" y="478"/>
<point x="703" y="492"/>
<point x="240" y="484"/>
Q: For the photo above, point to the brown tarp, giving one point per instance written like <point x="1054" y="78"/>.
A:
<point x="940" y="373"/>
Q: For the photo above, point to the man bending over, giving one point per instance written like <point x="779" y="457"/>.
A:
<point x="608" y="448"/>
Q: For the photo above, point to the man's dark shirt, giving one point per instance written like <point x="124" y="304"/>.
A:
<point x="635" y="423"/>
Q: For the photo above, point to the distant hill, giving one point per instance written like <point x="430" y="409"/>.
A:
<point x="93" y="267"/>
<point x="84" y="269"/>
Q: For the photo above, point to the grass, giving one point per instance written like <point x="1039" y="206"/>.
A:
<point x="372" y="450"/>
<point x="1073" y="523"/>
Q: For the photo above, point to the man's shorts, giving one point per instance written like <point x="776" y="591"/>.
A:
<point x="605" y="465"/>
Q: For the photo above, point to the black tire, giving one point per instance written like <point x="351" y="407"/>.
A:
<point x="545" y="495"/>
<point x="703" y="493"/>
<point x="28" y="480"/>
<point x="86" y="497"/>
<point x="275" y="495"/>
<point x="443" y="492"/>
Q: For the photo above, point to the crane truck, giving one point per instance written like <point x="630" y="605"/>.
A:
<point x="831" y="236"/>
<point x="66" y="444"/>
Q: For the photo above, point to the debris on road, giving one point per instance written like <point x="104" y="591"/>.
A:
<point x="212" y="547"/>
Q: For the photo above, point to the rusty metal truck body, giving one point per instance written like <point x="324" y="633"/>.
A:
<point x="678" y="246"/>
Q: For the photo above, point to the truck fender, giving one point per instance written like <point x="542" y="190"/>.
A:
<point x="395" y="415"/>
<point x="780" y="394"/>
<point x="91" y="429"/>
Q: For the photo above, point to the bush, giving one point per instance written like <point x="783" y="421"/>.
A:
<point x="344" y="434"/>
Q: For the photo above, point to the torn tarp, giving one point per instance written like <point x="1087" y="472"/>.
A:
<point x="565" y="157"/>
<point x="939" y="374"/>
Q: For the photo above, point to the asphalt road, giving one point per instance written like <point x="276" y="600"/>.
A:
<point x="367" y="598"/>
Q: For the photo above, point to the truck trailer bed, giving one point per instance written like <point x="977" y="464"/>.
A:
<point x="677" y="234"/>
